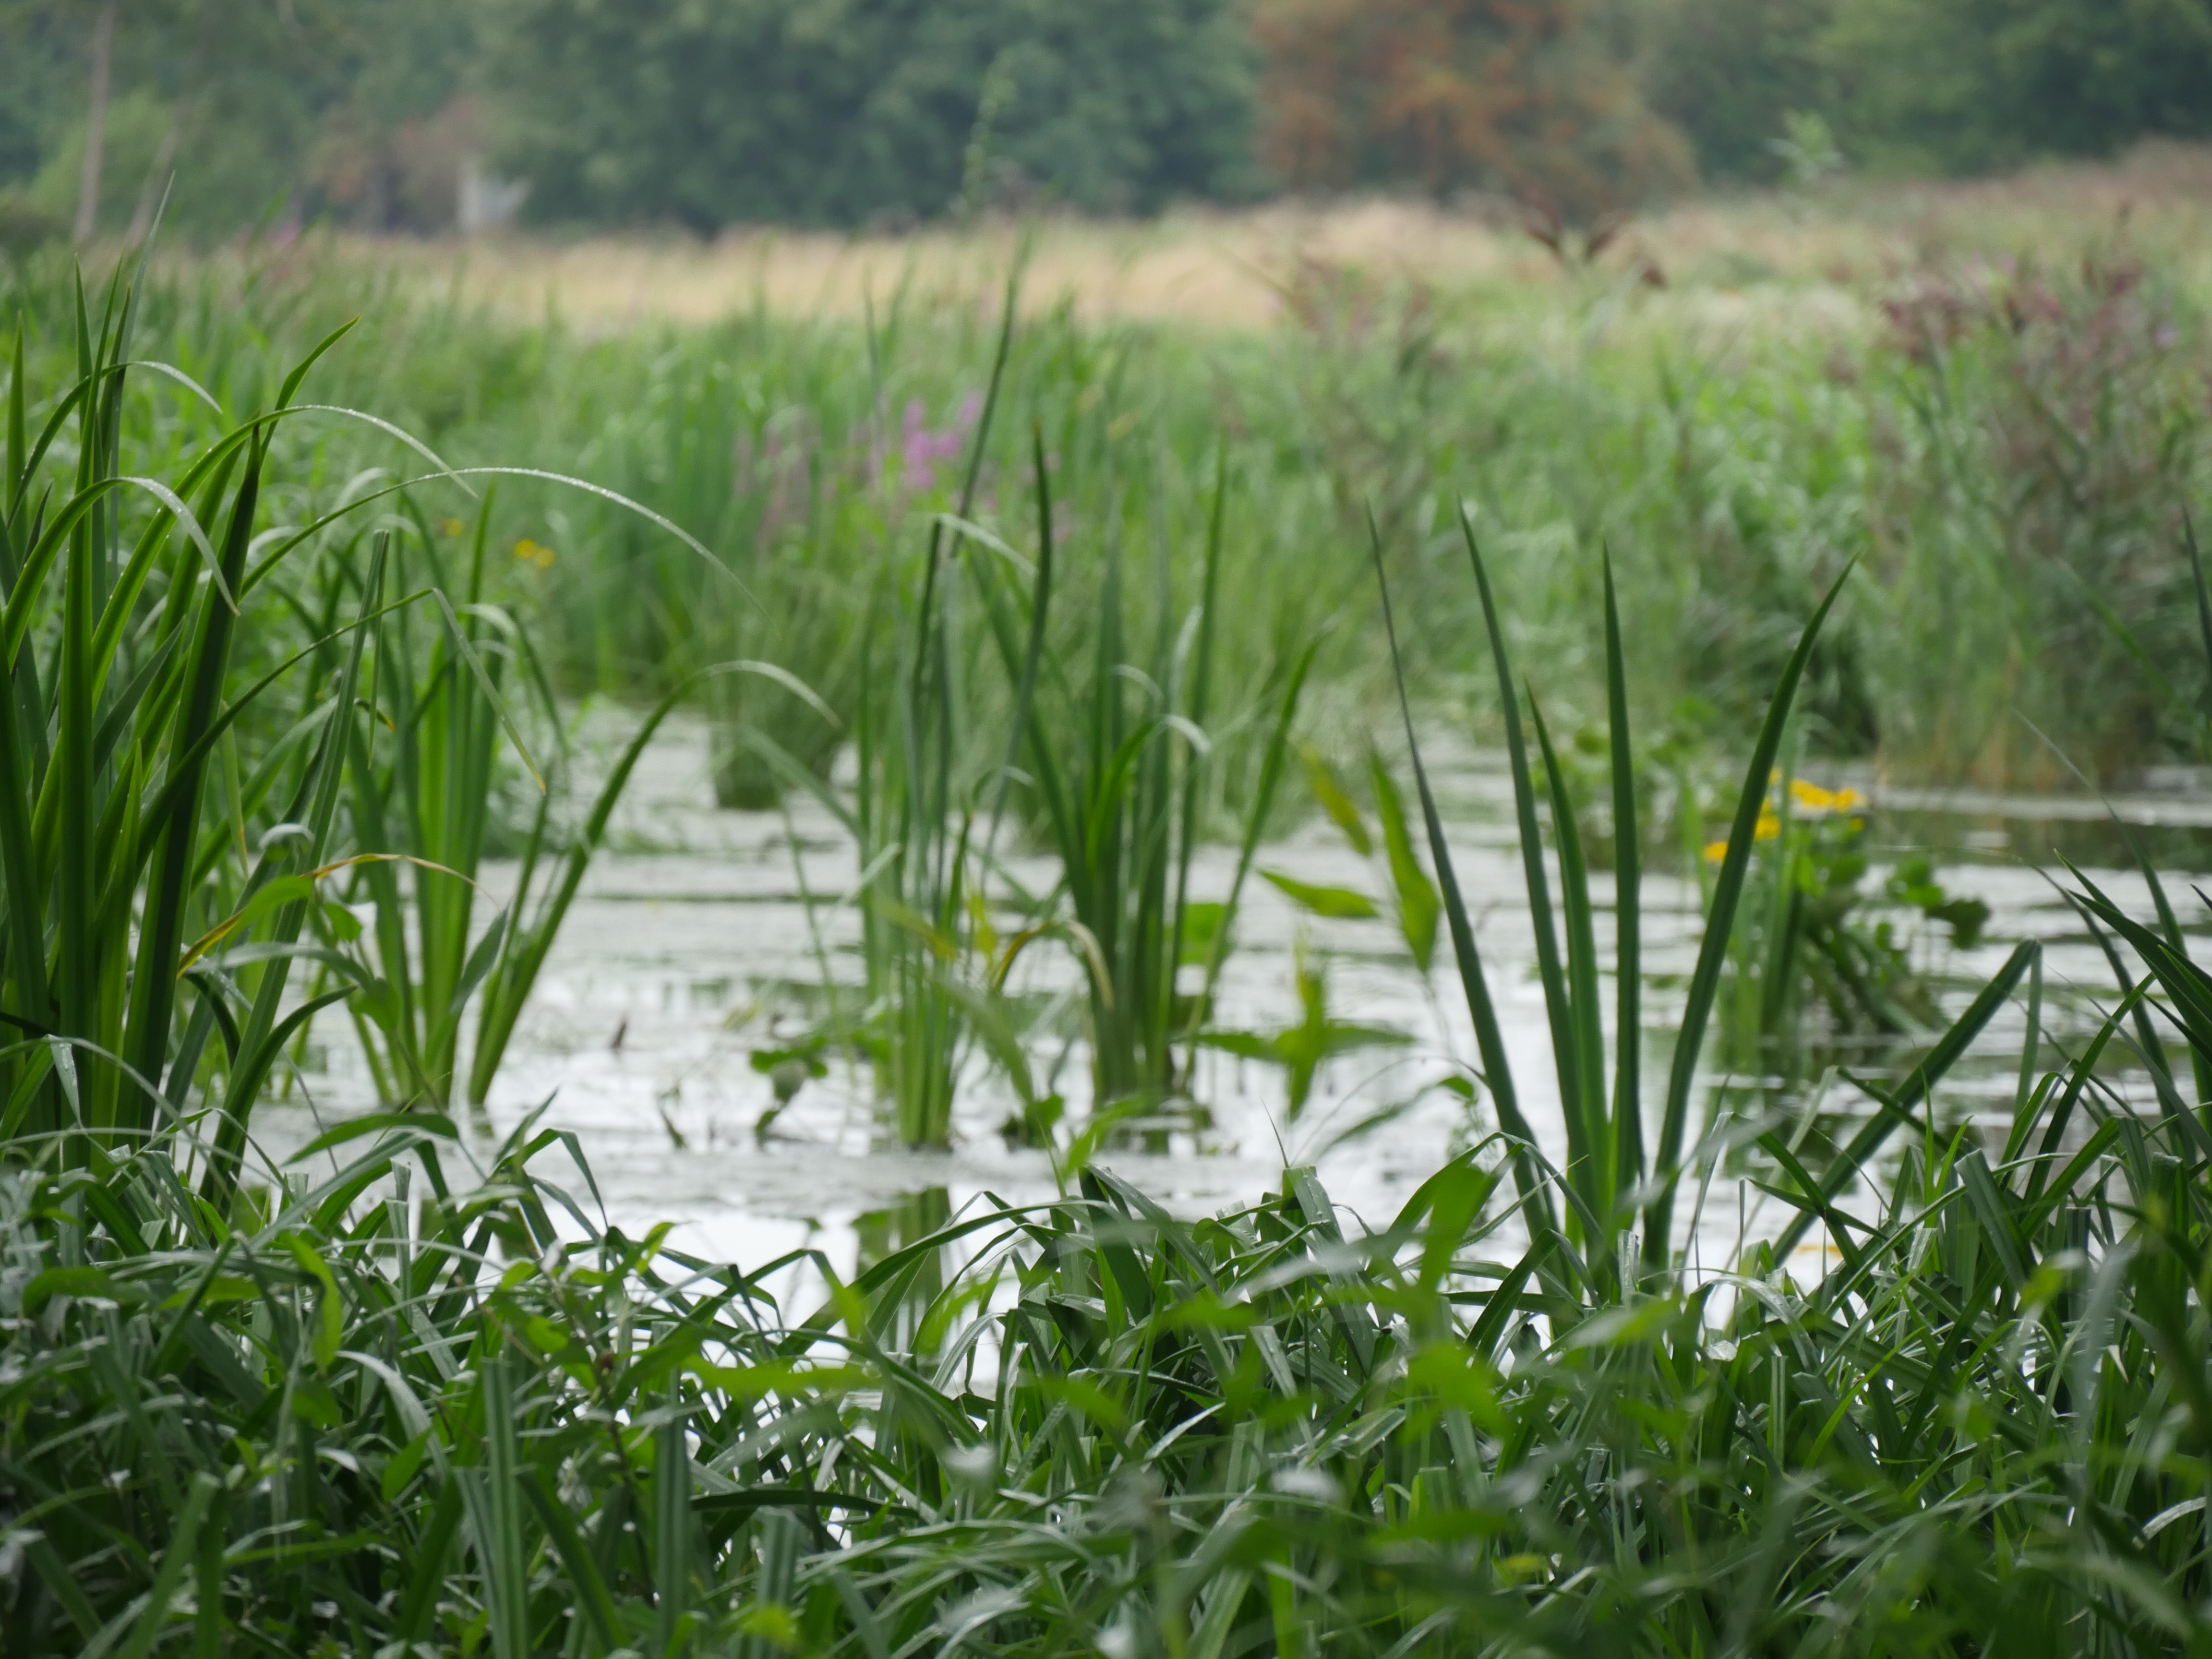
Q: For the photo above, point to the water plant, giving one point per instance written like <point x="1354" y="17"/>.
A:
<point x="449" y="681"/>
<point x="1948" y="1398"/>
<point x="1494" y="1426"/>
<point x="126" y="788"/>
<point x="1114" y="756"/>
<point x="1823" y="959"/>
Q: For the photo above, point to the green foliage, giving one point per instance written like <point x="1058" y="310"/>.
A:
<point x="1730" y="73"/>
<point x="127" y="782"/>
<point x="1943" y="85"/>
<point x="287" y="108"/>
<point x="424" y="776"/>
<point x="1967" y="85"/>
<point x="800" y="111"/>
<point x="219" y="727"/>
<point x="378" y="1411"/>
<point x="359" y="1416"/>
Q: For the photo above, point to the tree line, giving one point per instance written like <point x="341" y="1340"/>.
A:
<point x="705" y="113"/>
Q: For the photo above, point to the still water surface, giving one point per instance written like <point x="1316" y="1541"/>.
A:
<point x="688" y="949"/>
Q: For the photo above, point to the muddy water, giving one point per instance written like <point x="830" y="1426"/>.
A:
<point x="694" y="944"/>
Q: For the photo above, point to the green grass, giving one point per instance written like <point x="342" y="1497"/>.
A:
<point x="373" y="1403"/>
<point x="363" y="1414"/>
<point x="192" y="694"/>
<point x="2014" y="493"/>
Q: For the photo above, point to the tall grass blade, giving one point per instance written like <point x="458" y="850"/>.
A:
<point x="1020" y="729"/>
<point x="671" y="1486"/>
<point x="1567" y="1049"/>
<point x="1896" y="1108"/>
<point x="497" y="1506"/>
<point x="1490" y="1040"/>
<point x="181" y="1557"/>
<point x="1627" y="909"/>
<point x="1720" y="928"/>
<point x="1591" y="1136"/>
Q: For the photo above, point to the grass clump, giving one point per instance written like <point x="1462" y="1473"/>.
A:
<point x="362" y="1402"/>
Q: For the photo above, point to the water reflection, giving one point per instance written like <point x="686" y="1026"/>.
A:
<point x="694" y="943"/>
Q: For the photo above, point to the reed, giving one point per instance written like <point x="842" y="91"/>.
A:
<point x="370" y="1402"/>
<point x="1112" y="756"/>
<point x="451" y="682"/>
<point x="126" y="787"/>
<point x="2010" y="451"/>
<point x="1493" y="1426"/>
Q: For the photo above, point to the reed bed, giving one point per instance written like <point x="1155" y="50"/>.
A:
<point x="2000" y="415"/>
<point x="408" y="1393"/>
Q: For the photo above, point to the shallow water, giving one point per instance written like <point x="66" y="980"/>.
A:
<point x="686" y="950"/>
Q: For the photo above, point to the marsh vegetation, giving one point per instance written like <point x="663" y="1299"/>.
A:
<point x="333" y="647"/>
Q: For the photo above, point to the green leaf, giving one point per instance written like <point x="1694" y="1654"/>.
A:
<point x="1418" y="907"/>
<point x="424" y="1123"/>
<point x="312" y="1399"/>
<point x="401" y="1469"/>
<point x="78" y="1281"/>
<point x="330" y="1328"/>
<point x="1315" y="1043"/>
<point x="1202" y="921"/>
<point x="1342" y="809"/>
<point x="1459" y="1378"/>
<point x="1245" y="1045"/>
<point x="1338" y="904"/>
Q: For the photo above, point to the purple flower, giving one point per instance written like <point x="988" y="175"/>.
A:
<point x="924" y="449"/>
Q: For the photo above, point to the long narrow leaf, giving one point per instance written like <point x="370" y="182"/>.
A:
<point x="1720" y="929"/>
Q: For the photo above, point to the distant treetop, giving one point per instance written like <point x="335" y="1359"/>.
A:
<point x="848" y="111"/>
<point x="432" y="115"/>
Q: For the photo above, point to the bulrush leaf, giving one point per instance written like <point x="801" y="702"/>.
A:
<point x="1627" y="909"/>
<point x="1341" y="904"/>
<point x="1720" y="926"/>
<point x="1490" y="1041"/>
<point x="1418" y="907"/>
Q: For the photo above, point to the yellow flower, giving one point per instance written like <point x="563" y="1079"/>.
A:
<point x="450" y="527"/>
<point x="534" y="553"/>
<point x="1811" y="798"/>
<point x="1767" y="829"/>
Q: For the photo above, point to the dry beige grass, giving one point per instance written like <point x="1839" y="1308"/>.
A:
<point x="1227" y="269"/>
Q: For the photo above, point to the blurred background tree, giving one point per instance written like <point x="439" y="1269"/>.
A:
<point x="843" y="111"/>
<point x="1962" y="86"/>
<point x="376" y="113"/>
<point x="1928" y="86"/>
<point x="1534" y="98"/>
<point x="1730" y="73"/>
<point x="287" y="108"/>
